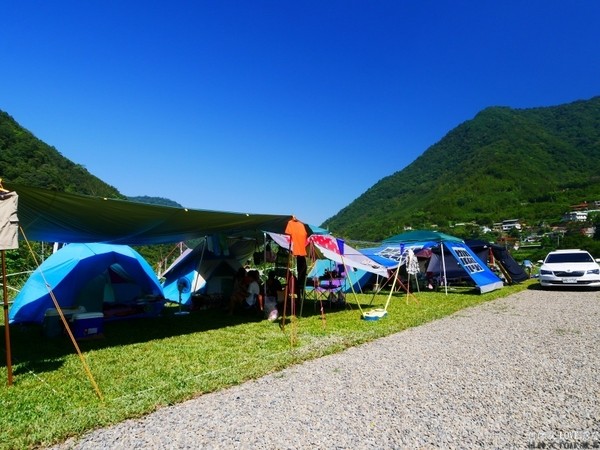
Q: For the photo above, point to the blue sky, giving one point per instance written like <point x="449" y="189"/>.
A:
<point x="285" y="107"/>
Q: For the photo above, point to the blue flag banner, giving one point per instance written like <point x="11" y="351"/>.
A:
<point x="340" y="243"/>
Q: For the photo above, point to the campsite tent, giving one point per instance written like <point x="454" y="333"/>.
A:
<point x="208" y="268"/>
<point x="95" y="276"/>
<point x="499" y="255"/>
<point x="50" y="216"/>
<point x="393" y="251"/>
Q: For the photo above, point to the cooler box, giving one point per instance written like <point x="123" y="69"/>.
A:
<point x="87" y="324"/>
<point x="52" y="325"/>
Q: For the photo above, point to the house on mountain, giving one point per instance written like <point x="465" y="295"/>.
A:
<point x="580" y="207"/>
<point x="575" y="216"/>
<point x="588" y="232"/>
<point x="511" y="224"/>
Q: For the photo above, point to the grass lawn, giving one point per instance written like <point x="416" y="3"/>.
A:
<point x="141" y="365"/>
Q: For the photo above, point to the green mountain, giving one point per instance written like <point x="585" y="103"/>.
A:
<point x="505" y="163"/>
<point x="27" y="160"/>
<point x="159" y="201"/>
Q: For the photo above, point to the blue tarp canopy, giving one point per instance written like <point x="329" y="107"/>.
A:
<point x="85" y="275"/>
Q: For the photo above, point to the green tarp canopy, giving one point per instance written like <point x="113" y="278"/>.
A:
<point x="421" y="236"/>
<point x="50" y="216"/>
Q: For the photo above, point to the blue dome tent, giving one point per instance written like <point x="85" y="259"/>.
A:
<point x="97" y="277"/>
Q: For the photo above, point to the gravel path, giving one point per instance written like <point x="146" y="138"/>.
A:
<point x="519" y="372"/>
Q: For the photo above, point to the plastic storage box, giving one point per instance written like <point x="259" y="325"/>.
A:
<point x="87" y="325"/>
<point x="52" y="325"/>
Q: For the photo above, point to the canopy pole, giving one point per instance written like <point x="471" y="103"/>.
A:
<point x="204" y="244"/>
<point x="6" y="325"/>
<point x="444" y="266"/>
<point x="313" y="256"/>
<point x="265" y="265"/>
<point x="396" y="276"/>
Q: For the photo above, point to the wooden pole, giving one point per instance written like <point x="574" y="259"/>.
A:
<point x="6" y="326"/>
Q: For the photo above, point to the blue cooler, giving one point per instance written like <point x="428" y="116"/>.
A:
<point x="87" y="324"/>
<point x="52" y="325"/>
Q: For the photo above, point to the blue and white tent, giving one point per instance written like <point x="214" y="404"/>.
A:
<point x="208" y="268"/>
<point x="88" y="275"/>
<point x="450" y="257"/>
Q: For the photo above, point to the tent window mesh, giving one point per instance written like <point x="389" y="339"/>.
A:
<point x="467" y="261"/>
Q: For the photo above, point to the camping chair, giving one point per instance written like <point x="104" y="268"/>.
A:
<point x="330" y="293"/>
<point x="314" y="290"/>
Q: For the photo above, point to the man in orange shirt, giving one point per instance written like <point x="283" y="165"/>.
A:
<point x="298" y="236"/>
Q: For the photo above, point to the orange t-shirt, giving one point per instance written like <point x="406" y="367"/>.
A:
<point x="298" y="234"/>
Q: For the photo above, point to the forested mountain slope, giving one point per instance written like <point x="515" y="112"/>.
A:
<point x="27" y="160"/>
<point x="504" y="163"/>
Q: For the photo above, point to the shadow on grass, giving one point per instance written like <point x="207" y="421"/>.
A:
<point x="32" y="351"/>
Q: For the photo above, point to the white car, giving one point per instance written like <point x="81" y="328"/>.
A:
<point x="568" y="268"/>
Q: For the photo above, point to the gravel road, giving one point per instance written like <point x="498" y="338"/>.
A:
<point x="519" y="372"/>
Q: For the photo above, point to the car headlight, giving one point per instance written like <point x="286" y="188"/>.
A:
<point x="593" y="272"/>
<point x="545" y="272"/>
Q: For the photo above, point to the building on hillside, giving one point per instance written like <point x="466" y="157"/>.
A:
<point x="531" y="241"/>
<point x="575" y="216"/>
<point x="558" y="230"/>
<point x="511" y="224"/>
<point x="580" y="207"/>
<point x="589" y="232"/>
<point x="508" y="242"/>
<point x="464" y="224"/>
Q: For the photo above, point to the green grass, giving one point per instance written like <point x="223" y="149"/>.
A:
<point x="144" y="364"/>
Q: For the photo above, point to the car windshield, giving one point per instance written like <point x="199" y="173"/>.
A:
<point x="578" y="257"/>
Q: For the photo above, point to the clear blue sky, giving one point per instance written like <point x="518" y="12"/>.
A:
<point x="286" y="107"/>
